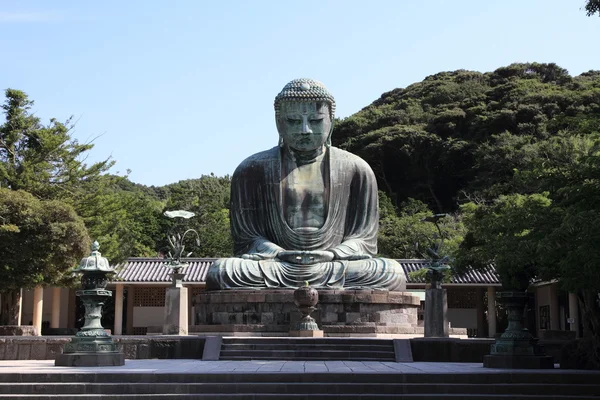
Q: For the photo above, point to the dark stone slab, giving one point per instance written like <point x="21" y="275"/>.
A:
<point x="90" y="360"/>
<point x="212" y="348"/>
<point x="143" y="351"/>
<point x="38" y="350"/>
<point x="24" y="351"/>
<point x="12" y="350"/>
<point x="518" y="362"/>
<point x="402" y="350"/>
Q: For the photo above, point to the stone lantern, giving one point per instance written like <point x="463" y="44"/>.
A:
<point x="92" y="346"/>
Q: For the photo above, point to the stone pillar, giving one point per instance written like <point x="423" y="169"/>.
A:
<point x="119" y="309"/>
<point x="481" y="331"/>
<point x="574" y="313"/>
<point x="436" y="313"/>
<point x="491" y="291"/>
<point x="55" y="321"/>
<point x="176" y="311"/>
<point x="38" y="307"/>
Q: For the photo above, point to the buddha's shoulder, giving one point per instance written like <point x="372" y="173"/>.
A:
<point x="259" y="159"/>
<point x="346" y="157"/>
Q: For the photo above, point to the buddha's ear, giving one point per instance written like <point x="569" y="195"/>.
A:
<point x="278" y="124"/>
<point x="328" y="142"/>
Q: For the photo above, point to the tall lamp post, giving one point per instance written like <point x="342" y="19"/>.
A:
<point x="436" y="299"/>
<point x="92" y="346"/>
<point x="176" y="296"/>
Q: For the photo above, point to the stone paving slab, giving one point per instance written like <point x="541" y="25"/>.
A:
<point x="270" y="367"/>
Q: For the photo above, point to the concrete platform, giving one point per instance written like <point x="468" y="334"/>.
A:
<point x="184" y="366"/>
<point x="291" y="380"/>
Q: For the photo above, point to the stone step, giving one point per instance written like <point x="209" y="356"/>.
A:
<point x="307" y="349"/>
<point x="317" y="341"/>
<point x="313" y="396"/>
<point x="304" y="388"/>
<point x="268" y="358"/>
<point x="489" y="377"/>
<point x="293" y="346"/>
<point x="308" y="354"/>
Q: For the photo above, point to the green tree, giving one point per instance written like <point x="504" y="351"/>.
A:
<point x="123" y="217"/>
<point x="40" y="241"/>
<point x="208" y="198"/>
<point x="41" y="159"/>
<point x="456" y="134"/>
<point x="548" y="228"/>
<point x="405" y="234"/>
<point x="592" y="7"/>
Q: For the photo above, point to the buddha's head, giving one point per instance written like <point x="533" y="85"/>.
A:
<point x="304" y="112"/>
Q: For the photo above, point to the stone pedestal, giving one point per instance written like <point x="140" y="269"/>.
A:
<point x="345" y="313"/>
<point x="436" y="313"/>
<point x="90" y="352"/>
<point x="176" y="311"/>
<point x="516" y="348"/>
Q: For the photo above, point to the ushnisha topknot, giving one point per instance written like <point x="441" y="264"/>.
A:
<point x="305" y="89"/>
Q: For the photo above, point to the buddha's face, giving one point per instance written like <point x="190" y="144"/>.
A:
<point x="304" y="126"/>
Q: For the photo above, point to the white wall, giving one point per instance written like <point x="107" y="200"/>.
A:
<point x="148" y="316"/>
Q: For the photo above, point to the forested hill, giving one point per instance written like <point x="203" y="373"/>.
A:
<point x="457" y="134"/>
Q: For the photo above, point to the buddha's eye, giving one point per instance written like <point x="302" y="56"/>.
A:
<point x="316" y="120"/>
<point x="292" y="121"/>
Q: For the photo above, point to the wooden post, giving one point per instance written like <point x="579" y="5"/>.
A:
<point x="119" y="309"/>
<point x="38" y="307"/>
<point x="491" y="311"/>
<point x="55" y="321"/>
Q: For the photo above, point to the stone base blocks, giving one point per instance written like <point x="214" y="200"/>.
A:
<point x="436" y="313"/>
<point x="90" y="352"/>
<point x="339" y="312"/>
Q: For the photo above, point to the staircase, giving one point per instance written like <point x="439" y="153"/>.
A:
<point x="318" y="349"/>
<point x="302" y="386"/>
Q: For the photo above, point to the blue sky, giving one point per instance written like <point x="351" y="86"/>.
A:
<point x="176" y="89"/>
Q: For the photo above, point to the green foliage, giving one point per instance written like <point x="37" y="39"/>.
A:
<point x="406" y="235"/>
<point x="506" y="234"/>
<point x="45" y="239"/>
<point x="456" y="134"/>
<point x="592" y="7"/>
<point x="549" y="227"/>
<point x="41" y="159"/>
<point x="208" y="198"/>
<point x="123" y="217"/>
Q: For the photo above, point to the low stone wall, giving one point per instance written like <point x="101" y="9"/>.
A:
<point x="339" y="312"/>
<point x="134" y="347"/>
<point x="18" y="330"/>
<point x="450" y="349"/>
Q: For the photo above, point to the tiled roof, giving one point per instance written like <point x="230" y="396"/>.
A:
<point x="472" y="277"/>
<point x="153" y="270"/>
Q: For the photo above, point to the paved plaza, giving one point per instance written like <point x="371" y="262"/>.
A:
<point x="208" y="367"/>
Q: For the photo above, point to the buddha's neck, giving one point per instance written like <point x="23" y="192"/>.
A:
<point x="304" y="157"/>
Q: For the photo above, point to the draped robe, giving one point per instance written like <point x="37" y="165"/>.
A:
<point x="259" y="228"/>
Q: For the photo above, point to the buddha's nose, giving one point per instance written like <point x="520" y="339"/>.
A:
<point x="306" y="127"/>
